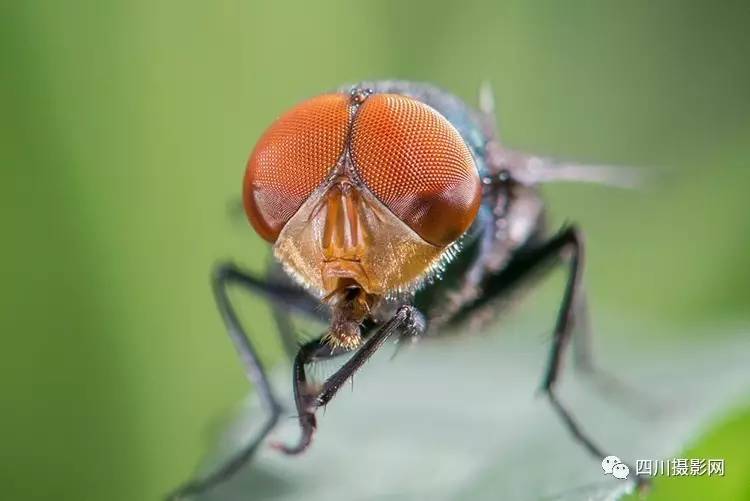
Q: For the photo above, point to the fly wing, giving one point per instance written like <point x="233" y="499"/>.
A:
<point x="532" y="169"/>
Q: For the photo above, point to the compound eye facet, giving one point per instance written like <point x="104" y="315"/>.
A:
<point x="418" y="165"/>
<point x="291" y="159"/>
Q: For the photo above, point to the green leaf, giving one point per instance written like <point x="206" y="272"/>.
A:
<point x="462" y="418"/>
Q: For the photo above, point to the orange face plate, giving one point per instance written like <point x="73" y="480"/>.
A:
<point x="372" y="191"/>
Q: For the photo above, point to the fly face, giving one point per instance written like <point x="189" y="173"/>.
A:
<point x="362" y="195"/>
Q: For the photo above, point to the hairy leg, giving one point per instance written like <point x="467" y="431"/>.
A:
<point x="571" y="315"/>
<point x="407" y="321"/>
<point x="224" y="275"/>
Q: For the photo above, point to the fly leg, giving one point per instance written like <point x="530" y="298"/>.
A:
<point x="225" y="275"/>
<point x="304" y="394"/>
<point x="568" y="243"/>
<point x="283" y="314"/>
<point x="407" y="321"/>
<point x="571" y="239"/>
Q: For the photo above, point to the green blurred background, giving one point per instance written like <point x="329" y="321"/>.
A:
<point x="126" y="126"/>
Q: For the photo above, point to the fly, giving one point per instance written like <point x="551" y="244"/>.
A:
<point x="395" y="206"/>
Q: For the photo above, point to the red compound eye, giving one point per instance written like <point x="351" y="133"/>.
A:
<point x="291" y="159"/>
<point x="418" y="165"/>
